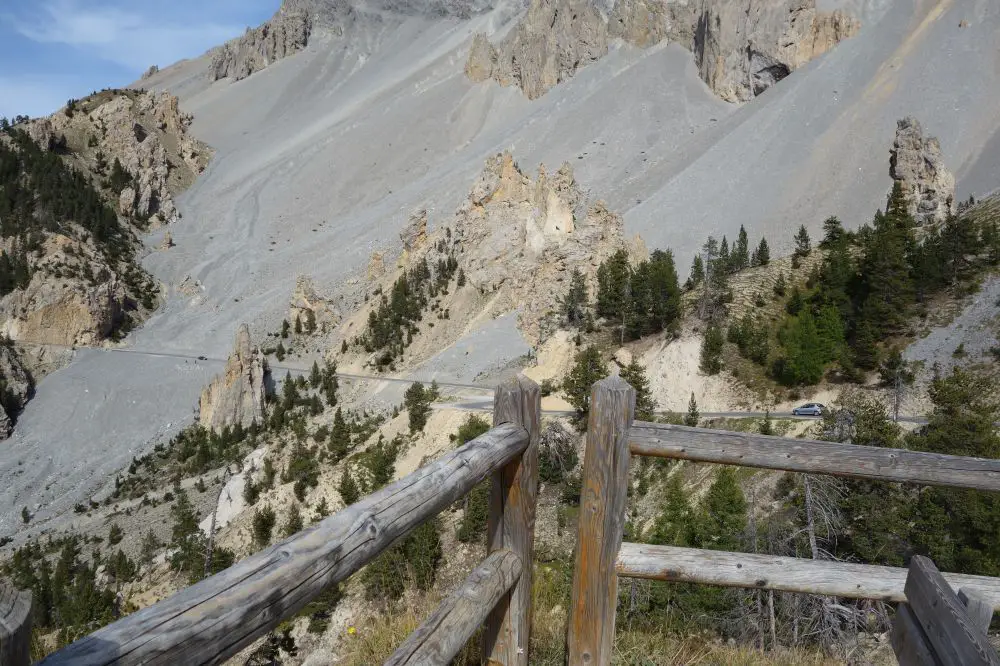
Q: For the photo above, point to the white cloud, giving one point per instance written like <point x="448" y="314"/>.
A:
<point x="125" y="37"/>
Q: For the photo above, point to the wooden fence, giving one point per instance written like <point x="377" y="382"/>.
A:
<point x="216" y="618"/>
<point x="602" y="559"/>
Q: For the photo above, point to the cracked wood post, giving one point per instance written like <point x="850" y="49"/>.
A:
<point x="591" y="631"/>
<point x="511" y="523"/>
<point x="15" y="625"/>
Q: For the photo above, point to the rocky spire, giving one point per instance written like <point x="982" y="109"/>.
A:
<point x="916" y="164"/>
<point x="237" y="395"/>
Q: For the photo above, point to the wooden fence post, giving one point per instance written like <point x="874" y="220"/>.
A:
<point x="591" y="631"/>
<point x="15" y="625"/>
<point x="511" y="524"/>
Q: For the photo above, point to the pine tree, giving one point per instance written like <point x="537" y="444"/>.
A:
<point x="803" y="245"/>
<point x="340" y="438"/>
<point x="285" y="327"/>
<point x="587" y="370"/>
<point x="298" y="325"/>
<point x="697" y="274"/>
<point x="673" y="526"/>
<point x="833" y="232"/>
<point x="725" y="264"/>
<point x="692" y="417"/>
<point x="762" y="255"/>
<point x="348" y="488"/>
<point x="723" y="513"/>
<point x="293" y="521"/>
<point x="263" y="526"/>
<point x="418" y="403"/>
<point x="645" y="405"/>
<point x="711" y="350"/>
<point x="741" y="251"/>
<point x="315" y="379"/>
<point x="780" y="285"/>
<point x="574" y="304"/>
<point x="613" y="277"/>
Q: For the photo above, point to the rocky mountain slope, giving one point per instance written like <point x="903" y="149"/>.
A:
<point x="740" y="49"/>
<point x="323" y="155"/>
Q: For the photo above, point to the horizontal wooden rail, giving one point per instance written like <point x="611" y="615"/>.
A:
<point x="443" y="634"/>
<point x="788" y="574"/>
<point x="812" y="456"/>
<point x="214" y="619"/>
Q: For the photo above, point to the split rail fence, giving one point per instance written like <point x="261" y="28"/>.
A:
<point x="213" y="620"/>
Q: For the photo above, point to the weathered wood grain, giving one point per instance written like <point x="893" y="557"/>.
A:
<point x="511" y="522"/>
<point x="15" y="625"/>
<point x="788" y="574"/>
<point x="909" y="642"/>
<point x="814" y="457"/>
<point x="445" y="632"/>
<point x="956" y="639"/>
<point x="212" y="620"/>
<point x="591" y="630"/>
<point x="980" y="612"/>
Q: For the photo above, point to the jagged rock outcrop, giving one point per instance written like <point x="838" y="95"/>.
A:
<point x="916" y="164"/>
<point x="739" y="54"/>
<point x="153" y="69"/>
<point x="237" y="395"/>
<point x="552" y="41"/>
<point x="286" y="33"/>
<point x="414" y="234"/>
<point x="308" y="305"/>
<point x="15" y="389"/>
<point x="146" y="132"/>
<point x="520" y="239"/>
<point x="73" y="298"/>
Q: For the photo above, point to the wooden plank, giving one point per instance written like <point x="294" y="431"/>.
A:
<point x="956" y="639"/>
<point x="980" y="612"/>
<point x="813" y="457"/>
<point x="15" y="625"/>
<point x="445" y="632"/>
<point x="212" y="620"/>
<point x="788" y="574"/>
<point x="594" y="598"/>
<point x="909" y="642"/>
<point x="511" y="522"/>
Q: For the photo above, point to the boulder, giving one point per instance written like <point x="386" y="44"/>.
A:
<point x="916" y="164"/>
<point x="237" y="395"/>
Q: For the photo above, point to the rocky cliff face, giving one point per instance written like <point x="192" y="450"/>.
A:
<point x="237" y="395"/>
<point x="146" y="133"/>
<point x="552" y="41"/>
<point x="916" y="163"/>
<point x="285" y="34"/>
<point x="15" y="389"/>
<point x="74" y="297"/>
<point x="739" y="53"/>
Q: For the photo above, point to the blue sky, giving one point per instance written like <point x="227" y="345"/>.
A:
<point x="52" y="50"/>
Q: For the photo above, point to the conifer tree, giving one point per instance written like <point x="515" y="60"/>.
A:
<point x="348" y="488"/>
<point x="340" y="438"/>
<point x="711" y="350"/>
<point x="293" y="521"/>
<point x="574" y="304"/>
<point x="833" y="232"/>
<point x="315" y="379"/>
<point x="697" y="274"/>
<point x="673" y="525"/>
<point x="723" y="513"/>
<point x="762" y="255"/>
<point x="645" y="405"/>
<point x="263" y="526"/>
<point x="741" y="251"/>
<point x="418" y="403"/>
<point x="588" y="369"/>
<point x="692" y="417"/>
<point x="725" y="260"/>
<point x="803" y="245"/>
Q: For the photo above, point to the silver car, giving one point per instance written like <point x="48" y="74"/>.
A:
<point x="809" y="409"/>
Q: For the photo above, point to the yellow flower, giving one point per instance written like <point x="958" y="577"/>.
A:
<point x="351" y="631"/>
